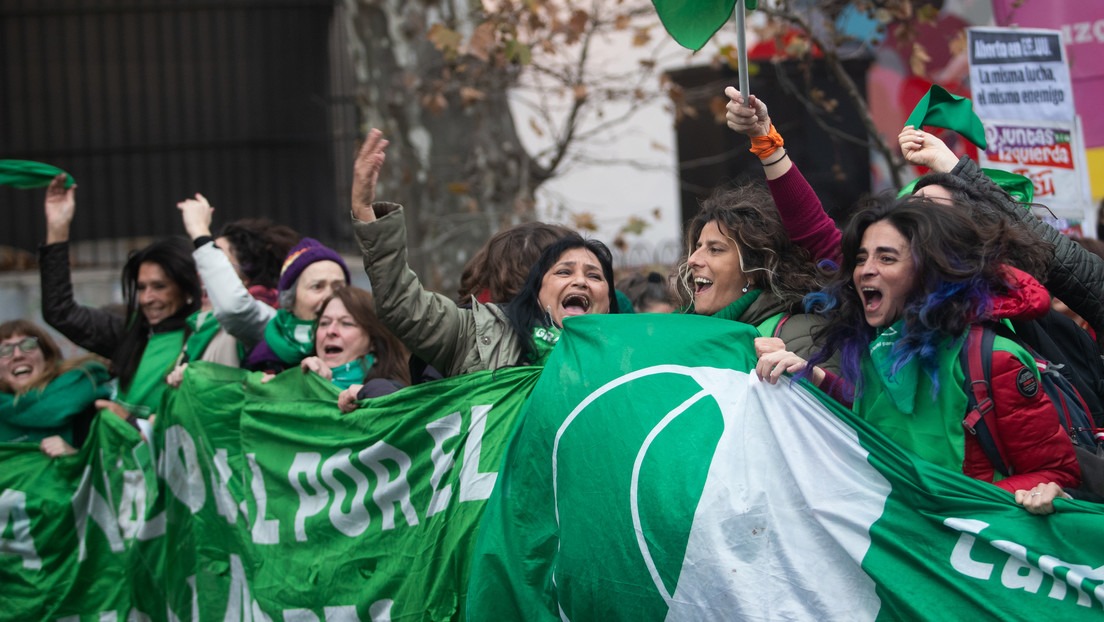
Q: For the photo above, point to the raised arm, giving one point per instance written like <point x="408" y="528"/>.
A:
<point x="430" y="324"/>
<point x="802" y="213"/>
<point x="366" y="170"/>
<point x="1074" y="274"/>
<point x="92" y="329"/>
<point x="242" y="315"/>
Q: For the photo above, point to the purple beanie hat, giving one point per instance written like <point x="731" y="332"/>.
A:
<point x="303" y="254"/>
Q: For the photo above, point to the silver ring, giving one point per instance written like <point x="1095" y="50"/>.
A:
<point x="1036" y="494"/>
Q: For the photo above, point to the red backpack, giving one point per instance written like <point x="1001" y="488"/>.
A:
<point x="1088" y="442"/>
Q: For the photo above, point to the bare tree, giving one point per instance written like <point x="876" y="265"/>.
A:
<point x="436" y="77"/>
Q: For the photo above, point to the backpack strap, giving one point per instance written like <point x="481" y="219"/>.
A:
<point x="976" y="358"/>
<point x="781" y="322"/>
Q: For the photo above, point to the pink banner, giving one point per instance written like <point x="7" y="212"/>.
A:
<point x="1082" y="26"/>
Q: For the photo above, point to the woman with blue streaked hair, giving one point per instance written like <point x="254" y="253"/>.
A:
<point x="916" y="274"/>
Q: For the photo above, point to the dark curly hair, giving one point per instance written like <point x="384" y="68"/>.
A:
<point x="960" y="265"/>
<point x="768" y="258"/>
<point x="260" y="246"/>
<point x="1026" y="252"/>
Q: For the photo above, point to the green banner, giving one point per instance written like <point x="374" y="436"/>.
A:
<point x="635" y="478"/>
<point x="265" y="503"/>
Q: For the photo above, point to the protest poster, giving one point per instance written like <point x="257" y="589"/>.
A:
<point x="1022" y="92"/>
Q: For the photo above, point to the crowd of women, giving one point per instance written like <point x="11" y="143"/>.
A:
<point x="875" y="314"/>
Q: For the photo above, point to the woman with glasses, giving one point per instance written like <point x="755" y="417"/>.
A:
<point x="44" y="399"/>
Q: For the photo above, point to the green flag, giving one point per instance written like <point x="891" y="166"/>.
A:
<point x="940" y="108"/>
<point x="693" y="22"/>
<point x="654" y="478"/>
<point x="25" y="174"/>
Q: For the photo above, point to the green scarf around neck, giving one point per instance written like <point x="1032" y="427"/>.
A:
<point x="735" y="309"/>
<point x="290" y="338"/>
<point x="903" y="407"/>
<point x="49" y="411"/>
<point x="353" y="372"/>
<point x="143" y="397"/>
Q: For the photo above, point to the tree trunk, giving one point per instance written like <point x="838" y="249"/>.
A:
<point x="455" y="161"/>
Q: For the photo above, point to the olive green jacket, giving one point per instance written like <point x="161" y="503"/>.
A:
<point x="454" y="340"/>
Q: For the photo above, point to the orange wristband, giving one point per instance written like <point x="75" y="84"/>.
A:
<point x="764" y="146"/>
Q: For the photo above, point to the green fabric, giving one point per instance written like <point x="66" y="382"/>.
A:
<point x="903" y="407"/>
<point x="266" y="503"/>
<point x="544" y="340"/>
<point x="653" y="477"/>
<point x="36" y="414"/>
<point x="25" y="174"/>
<point x="290" y="338"/>
<point x="769" y="325"/>
<point x="624" y="305"/>
<point x="1020" y="188"/>
<point x="353" y="372"/>
<point x="900" y="385"/>
<point x="692" y="23"/>
<point x="143" y="397"/>
<point x="940" y="108"/>
<point x="735" y="309"/>
<point x="203" y="327"/>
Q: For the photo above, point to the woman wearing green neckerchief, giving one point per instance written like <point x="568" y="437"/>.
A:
<point x="354" y="350"/>
<point x="44" y="399"/>
<point x="311" y="274"/>
<point x="573" y="276"/>
<point x="741" y="265"/>
<point x="916" y="275"/>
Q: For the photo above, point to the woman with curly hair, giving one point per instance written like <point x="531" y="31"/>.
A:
<point x="916" y="274"/>
<point x="741" y="265"/>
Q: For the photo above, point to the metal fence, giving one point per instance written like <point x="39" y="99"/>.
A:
<point x="146" y="102"/>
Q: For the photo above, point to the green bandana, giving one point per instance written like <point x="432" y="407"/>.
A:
<point x="735" y="309"/>
<point x="290" y="338"/>
<point x="903" y="407"/>
<point x="36" y="414"/>
<point x="901" y="386"/>
<point x="143" y="397"/>
<point x="353" y="372"/>
<point x="25" y="174"/>
<point x="544" y="339"/>
<point x="940" y="108"/>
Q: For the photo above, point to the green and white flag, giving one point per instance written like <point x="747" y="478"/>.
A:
<point x="657" y="479"/>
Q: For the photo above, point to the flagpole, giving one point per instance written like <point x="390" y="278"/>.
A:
<point x="741" y="51"/>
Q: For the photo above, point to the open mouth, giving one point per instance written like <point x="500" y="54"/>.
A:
<point x="333" y="350"/>
<point x="872" y="298"/>
<point x="22" y="370"/>
<point x="701" y="284"/>
<point x="576" y="304"/>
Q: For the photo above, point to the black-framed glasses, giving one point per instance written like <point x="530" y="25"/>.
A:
<point x="26" y="344"/>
